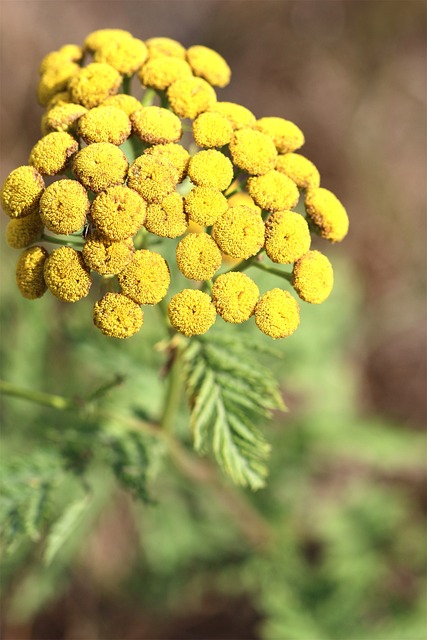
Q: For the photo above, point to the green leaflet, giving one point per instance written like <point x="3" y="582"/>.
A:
<point x="64" y="527"/>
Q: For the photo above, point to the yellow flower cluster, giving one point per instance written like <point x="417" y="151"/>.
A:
<point x="121" y="179"/>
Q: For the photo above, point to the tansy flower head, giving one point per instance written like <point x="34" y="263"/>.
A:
<point x="105" y="256"/>
<point x="21" y="192"/>
<point x="212" y="130"/>
<point x="100" y="165"/>
<point x="152" y="177"/>
<point x="253" y="151"/>
<point x="63" y="97"/>
<point x="313" y="277"/>
<point x="117" y="316"/>
<point x="239" y="232"/>
<point x="146" y="278"/>
<point x="165" y="47"/>
<point x="29" y="273"/>
<point x="93" y="84"/>
<point x="327" y="213"/>
<point x="211" y="168"/>
<point x="122" y="101"/>
<point x="167" y="219"/>
<point x="104" y="124"/>
<point x="191" y="312"/>
<point x="205" y="205"/>
<point x="101" y="37"/>
<point x="209" y="64"/>
<point x="66" y="275"/>
<point x="55" y="59"/>
<point x="55" y="79"/>
<point x="50" y="155"/>
<point x="198" y="256"/>
<point x="162" y="71"/>
<point x="63" y="117"/>
<point x="21" y="232"/>
<point x="238" y="116"/>
<point x="118" y="212"/>
<point x="156" y="125"/>
<point x="277" y="314"/>
<point x="235" y="296"/>
<point x="189" y="97"/>
<point x="273" y="191"/>
<point x="64" y="206"/>
<point x="287" y="237"/>
<point x="176" y="154"/>
<point x="299" y="169"/>
<point x="284" y="133"/>
<point x="127" y="55"/>
<point x="243" y="198"/>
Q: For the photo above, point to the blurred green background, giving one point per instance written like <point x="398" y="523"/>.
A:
<point x="334" y="547"/>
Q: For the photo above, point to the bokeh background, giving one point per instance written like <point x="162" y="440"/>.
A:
<point x="347" y="489"/>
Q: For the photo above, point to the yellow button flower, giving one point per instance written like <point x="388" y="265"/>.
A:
<point x="64" y="206"/>
<point x="162" y="71"/>
<point x="205" y="205"/>
<point x="209" y="64"/>
<point x="30" y="273"/>
<point x="21" y="232"/>
<point x="190" y="97"/>
<point x="117" y="316"/>
<point x="235" y="296"/>
<point x="152" y="177"/>
<point x="118" y="212"/>
<point x="21" y="192"/>
<point x="277" y="314"/>
<point x="313" y="277"/>
<point x="99" y="38"/>
<point x="50" y="155"/>
<point x="284" y="133"/>
<point x="105" y="256"/>
<point x="253" y="151"/>
<point x="198" y="256"/>
<point x="212" y="130"/>
<point x="156" y="125"/>
<point x="211" y="168"/>
<point x="238" y="116"/>
<point x="104" y="124"/>
<point x="55" y="59"/>
<point x="191" y="312"/>
<point x="122" y="101"/>
<point x="239" y="232"/>
<point x="273" y="191"/>
<point x="146" y="278"/>
<point x="56" y="79"/>
<point x="63" y="97"/>
<point x="100" y="165"/>
<point x="127" y="55"/>
<point x="66" y="275"/>
<point x="301" y="170"/>
<point x="167" y="219"/>
<point x="327" y="213"/>
<point x="93" y="84"/>
<point x="287" y="237"/>
<point x="63" y="117"/>
<point x="165" y="47"/>
<point x="176" y="154"/>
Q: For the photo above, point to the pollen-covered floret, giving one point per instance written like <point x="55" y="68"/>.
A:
<point x="21" y="232"/>
<point x="253" y="151"/>
<point x="105" y="256"/>
<point x="205" y="205"/>
<point x="176" y="154"/>
<point x="93" y="84"/>
<point x="209" y="64"/>
<point x="165" y="47"/>
<point x="235" y="296"/>
<point x="198" y="256"/>
<point x="100" y="165"/>
<point x="327" y="213"/>
<point x="62" y="117"/>
<point x="189" y="97"/>
<point x="156" y="125"/>
<point x="299" y="169"/>
<point x="152" y="177"/>
<point x="287" y="237"/>
<point x="313" y="277"/>
<point x="126" y="55"/>
<point x="239" y="233"/>
<point x="118" y="212"/>
<point x="54" y="59"/>
<point x="50" y="155"/>
<point x="117" y="316"/>
<point x="66" y="275"/>
<point x="212" y="130"/>
<point x="64" y="206"/>
<point x="211" y="168"/>
<point x="146" y="278"/>
<point x="284" y="133"/>
<point x="167" y="219"/>
<point x="21" y="192"/>
<point x="277" y="314"/>
<point x="104" y="124"/>
<point x="191" y="312"/>
<point x="122" y="101"/>
<point x="238" y="116"/>
<point x="30" y="274"/>
<point x="273" y="191"/>
<point x="55" y="79"/>
<point x="162" y="71"/>
<point x="97" y="39"/>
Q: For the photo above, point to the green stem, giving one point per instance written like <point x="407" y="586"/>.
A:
<point x="45" y="399"/>
<point x="173" y="392"/>
<point x="62" y="241"/>
<point x="272" y="270"/>
<point x="148" y="97"/>
<point x="126" y="84"/>
<point x="238" y="189"/>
